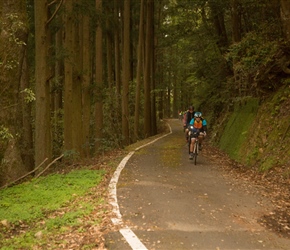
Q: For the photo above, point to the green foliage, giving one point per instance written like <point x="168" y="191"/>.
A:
<point x="5" y="134"/>
<point x="14" y="25"/>
<point x="252" y="52"/>
<point x="71" y="155"/>
<point x="29" y="95"/>
<point x="31" y="201"/>
<point x="112" y="131"/>
<point x="267" y="165"/>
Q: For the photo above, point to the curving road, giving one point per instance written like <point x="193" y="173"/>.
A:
<point x="167" y="202"/>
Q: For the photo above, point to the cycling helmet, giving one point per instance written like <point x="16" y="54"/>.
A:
<point x="197" y="114"/>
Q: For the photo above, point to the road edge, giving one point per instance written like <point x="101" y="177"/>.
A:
<point x="131" y="238"/>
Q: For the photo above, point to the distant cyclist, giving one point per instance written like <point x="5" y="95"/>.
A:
<point x="187" y="118"/>
<point x="180" y="115"/>
<point x="199" y="129"/>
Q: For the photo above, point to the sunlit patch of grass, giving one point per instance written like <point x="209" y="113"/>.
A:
<point x="41" y="203"/>
<point x="69" y="219"/>
<point x="32" y="200"/>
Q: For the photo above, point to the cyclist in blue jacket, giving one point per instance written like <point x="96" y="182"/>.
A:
<point x="198" y="129"/>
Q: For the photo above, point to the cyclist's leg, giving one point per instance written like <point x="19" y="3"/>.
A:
<point x="192" y="144"/>
<point x="191" y="147"/>
<point x="186" y="133"/>
<point x="200" y="139"/>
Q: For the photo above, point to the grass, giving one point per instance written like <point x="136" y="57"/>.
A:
<point x="36" y="202"/>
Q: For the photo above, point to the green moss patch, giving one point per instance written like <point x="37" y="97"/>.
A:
<point x="236" y="131"/>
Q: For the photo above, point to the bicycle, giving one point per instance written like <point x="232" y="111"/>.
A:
<point x="196" y="144"/>
<point x="195" y="150"/>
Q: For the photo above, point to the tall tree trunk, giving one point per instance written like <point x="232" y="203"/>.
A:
<point x="43" y="146"/>
<point x="77" y="88"/>
<point x="117" y="51"/>
<point x="99" y="81"/>
<point x="57" y="95"/>
<point x="236" y="20"/>
<point x="147" y="72"/>
<point x="219" y="24"/>
<point x="109" y="43"/>
<point x="73" y="82"/>
<point x="126" y="74"/>
<point x="153" y="96"/>
<point x="27" y="142"/>
<point x="68" y="77"/>
<point x="159" y="60"/>
<point x="86" y="97"/>
<point x="139" y="70"/>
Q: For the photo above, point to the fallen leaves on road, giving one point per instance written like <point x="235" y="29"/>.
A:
<point x="273" y="184"/>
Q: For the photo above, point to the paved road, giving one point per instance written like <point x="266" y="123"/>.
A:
<point x="170" y="203"/>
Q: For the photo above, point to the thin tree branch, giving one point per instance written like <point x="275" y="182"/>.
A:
<point x="7" y="185"/>
<point x="51" y="3"/>
<point x="55" y="12"/>
<point x="49" y="166"/>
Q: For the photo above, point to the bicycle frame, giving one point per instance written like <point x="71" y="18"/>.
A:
<point x="196" y="150"/>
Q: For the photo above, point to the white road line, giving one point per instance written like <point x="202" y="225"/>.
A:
<point x="127" y="233"/>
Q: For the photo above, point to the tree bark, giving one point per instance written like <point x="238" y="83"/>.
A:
<point x="27" y="141"/>
<point x="86" y="97"/>
<point x="139" y="70"/>
<point x="77" y="125"/>
<point x="126" y="74"/>
<point x="43" y="146"/>
<point x="117" y="51"/>
<point x="153" y="95"/>
<point x="236" y="21"/>
<point x="99" y="80"/>
<point x="219" y="24"/>
<point x="68" y="82"/>
<point x="147" y="71"/>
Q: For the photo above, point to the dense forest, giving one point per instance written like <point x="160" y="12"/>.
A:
<point x="81" y="77"/>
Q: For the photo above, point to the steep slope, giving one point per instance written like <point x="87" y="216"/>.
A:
<point x="256" y="132"/>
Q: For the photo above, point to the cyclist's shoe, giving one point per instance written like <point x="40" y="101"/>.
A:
<point x="200" y="146"/>
<point x="190" y="156"/>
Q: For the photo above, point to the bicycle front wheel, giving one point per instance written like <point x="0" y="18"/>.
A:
<point x="195" y="151"/>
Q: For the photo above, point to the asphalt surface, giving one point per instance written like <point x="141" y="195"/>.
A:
<point x="170" y="203"/>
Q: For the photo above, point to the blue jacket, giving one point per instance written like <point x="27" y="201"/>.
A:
<point x="201" y="126"/>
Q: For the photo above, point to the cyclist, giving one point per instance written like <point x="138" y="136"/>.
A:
<point x="199" y="130"/>
<point x="187" y="118"/>
<point x="180" y="115"/>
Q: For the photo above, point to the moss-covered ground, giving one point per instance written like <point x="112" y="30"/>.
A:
<point x="257" y="132"/>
